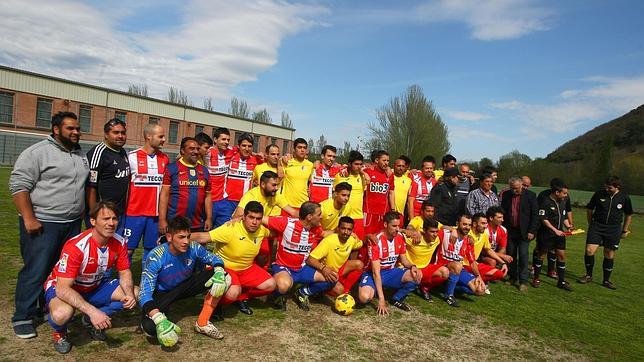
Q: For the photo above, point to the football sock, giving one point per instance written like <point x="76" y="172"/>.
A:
<point x="552" y="260"/>
<point x="351" y="279"/>
<point x="317" y="287"/>
<point x="451" y="284"/>
<point x="112" y="308"/>
<point x="206" y="311"/>
<point x="561" y="271"/>
<point x="254" y="293"/>
<point x="537" y="265"/>
<point x="608" y="268"/>
<point x="589" y="260"/>
<point x="56" y="327"/>
<point x="404" y="291"/>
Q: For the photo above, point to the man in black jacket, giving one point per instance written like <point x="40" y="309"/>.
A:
<point x="444" y="198"/>
<point x="522" y="223"/>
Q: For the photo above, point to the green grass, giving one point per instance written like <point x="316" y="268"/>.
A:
<point x="592" y="321"/>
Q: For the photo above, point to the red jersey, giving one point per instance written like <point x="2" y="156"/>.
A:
<point x="239" y="176"/>
<point x="387" y="251"/>
<point x="376" y="196"/>
<point x="188" y="188"/>
<point x="295" y="242"/>
<point x="420" y="190"/>
<point x="84" y="261"/>
<point x="454" y="251"/>
<point x="146" y="173"/>
<point x="321" y="186"/>
<point x="498" y="237"/>
<point x="217" y="163"/>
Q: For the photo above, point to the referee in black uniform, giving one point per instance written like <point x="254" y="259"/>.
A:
<point x="606" y="210"/>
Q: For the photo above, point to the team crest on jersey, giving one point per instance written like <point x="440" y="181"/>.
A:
<point x="188" y="262"/>
<point x="193" y="173"/>
<point x="93" y="176"/>
<point x="619" y="206"/>
<point x="202" y="183"/>
<point x="62" y="263"/>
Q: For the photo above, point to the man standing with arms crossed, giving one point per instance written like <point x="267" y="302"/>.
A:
<point x="402" y="184"/>
<point x="379" y="195"/>
<point x="147" y="165"/>
<point x="296" y="171"/>
<point x="47" y="185"/>
<point x="321" y="187"/>
<point x="422" y="186"/>
<point x="272" y="159"/>
<point x="217" y="160"/>
<point x="355" y="177"/>
<point x="605" y="212"/>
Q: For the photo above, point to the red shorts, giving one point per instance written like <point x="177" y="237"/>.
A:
<point x="373" y="223"/>
<point x="248" y="278"/>
<point x="428" y="271"/>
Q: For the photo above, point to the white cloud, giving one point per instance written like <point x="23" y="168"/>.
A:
<point x="467" y="116"/>
<point x="610" y="98"/>
<point x="490" y="19"/>
<point x="217" y="44"/>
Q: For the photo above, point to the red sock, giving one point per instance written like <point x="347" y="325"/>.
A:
<point x="254" y="293"/>
<point x="350" y="280"/>
<point x="436" y="281"/>
<point x="224" y="300"/>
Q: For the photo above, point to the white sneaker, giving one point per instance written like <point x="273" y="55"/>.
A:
<point x="487" y="290"/>
<point x="209" y="330"/>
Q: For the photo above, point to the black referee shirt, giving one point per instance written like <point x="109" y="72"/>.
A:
<point x="610" y="210"/>
<point x="546" y="194"/>
<point x="109" y="173"/>
<point x="553" y="211"/>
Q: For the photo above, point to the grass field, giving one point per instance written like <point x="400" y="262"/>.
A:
<point x="591" y="323"/>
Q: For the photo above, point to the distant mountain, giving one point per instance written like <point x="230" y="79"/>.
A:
<point x="626" y="133"/>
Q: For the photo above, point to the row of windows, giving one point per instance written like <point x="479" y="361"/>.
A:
<point x="44" y="113"/>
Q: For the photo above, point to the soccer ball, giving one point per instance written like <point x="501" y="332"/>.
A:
<point x="344" y="304"/>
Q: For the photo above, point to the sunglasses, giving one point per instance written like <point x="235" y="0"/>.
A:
<point x="116" y="121"/>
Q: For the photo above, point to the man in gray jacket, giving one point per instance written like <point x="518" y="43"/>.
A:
<point x="48" y="187"/>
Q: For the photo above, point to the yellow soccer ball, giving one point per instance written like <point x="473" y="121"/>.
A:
<point x="344" y="304"/>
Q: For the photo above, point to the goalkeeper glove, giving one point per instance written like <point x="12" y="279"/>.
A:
<point x="219" y="282"/>
<point x="167" y="332"/>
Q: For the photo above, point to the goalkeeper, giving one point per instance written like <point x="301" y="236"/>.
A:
<point x="169" y="274"/>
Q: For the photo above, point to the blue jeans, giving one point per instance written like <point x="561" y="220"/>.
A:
<point x="39" y="253"/>
<point x="518" y="249"/>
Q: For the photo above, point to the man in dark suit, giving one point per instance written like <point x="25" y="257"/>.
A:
<point x="522" y="223"/>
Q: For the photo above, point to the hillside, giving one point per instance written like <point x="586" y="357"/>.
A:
<point x="627" y="133"/>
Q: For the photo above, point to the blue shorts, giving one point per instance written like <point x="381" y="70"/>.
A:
<point x="304" y="275"/>
<point x="391" y="278"/>
<point x="136" y="226"/>
<point x="99" y="297"/>
<point x="222" y="211"/>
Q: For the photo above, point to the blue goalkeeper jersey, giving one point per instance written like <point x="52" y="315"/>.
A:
<point x="164" y="271"/>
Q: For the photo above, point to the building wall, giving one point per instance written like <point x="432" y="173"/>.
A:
<point x="27" y="88"/>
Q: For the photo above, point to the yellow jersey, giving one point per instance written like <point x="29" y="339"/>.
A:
<point x="272" y="205"/>
<point x="333" y="252"/>
<point x="438" y="174"/>
<point x="417" y="223"/>
<point x="330" y="215"/>
<point x="421" y="254"/>
<point x="260" y="169"/>
<point x="481" y="241"/>
<point x="402" y="185"/>
<point x="236" y="246"/>
<point x="353" y="208"/>
<point x="295" y="185"/>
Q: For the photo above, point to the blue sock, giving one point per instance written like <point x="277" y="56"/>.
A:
<point x="404" y="291"/>
<point x="316" y="287"/>
<point x="111" y="308"/>
<point x="451" y="284"/>
<point x="464" y="289"/>
<point x="56" y="327"/>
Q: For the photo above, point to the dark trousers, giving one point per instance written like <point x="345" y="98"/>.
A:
<point x="40" y="252"/>
<point x="162" y="300"/>
<point x="518" y="250"/>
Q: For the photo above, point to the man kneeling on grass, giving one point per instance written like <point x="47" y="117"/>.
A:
<point x="169" y="274"/>
<point x="78" y="280"/>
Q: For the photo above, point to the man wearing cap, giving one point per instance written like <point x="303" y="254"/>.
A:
<point x="444" y="198"/>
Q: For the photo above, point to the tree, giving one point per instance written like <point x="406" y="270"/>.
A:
<point x="262" y="116"/>
<point x="138" y="89"/>
<point x="209" y="104"/>
<point x="343" y="153"/>
<point x="312" y="150"/>
<point x="514" y="163"/>
<point x="239" y="108"/>
<point x="178" y="96"/>
<point x="409" y="125"/>
<point x="483" y="163"/>
<point x="320" y="143"/>
<point x="286" y="120"/>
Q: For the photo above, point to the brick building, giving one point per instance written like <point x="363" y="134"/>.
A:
<point x="28" y="101"/>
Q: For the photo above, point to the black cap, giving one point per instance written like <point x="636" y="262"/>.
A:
<point x="450" y="172"/>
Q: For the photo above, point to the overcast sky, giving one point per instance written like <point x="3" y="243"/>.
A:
<point x="503" y="74"/>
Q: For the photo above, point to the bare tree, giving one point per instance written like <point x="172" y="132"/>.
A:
<point x="178" y="96"/>
<point x="286" y="120"/>
<point x="140" y="89"/>
<point x="209" y="104"/>
<point x="262" y="116"/>
<point x="239" y="108"/>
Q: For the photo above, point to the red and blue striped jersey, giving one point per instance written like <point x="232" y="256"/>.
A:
<point x="188" y="188"/>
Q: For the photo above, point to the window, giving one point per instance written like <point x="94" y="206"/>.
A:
<point x="237" y="134"/>
<point x="198" y="129"/>
<point x="121" y="115"/>
<point x="153" y="120"/>
<point x="173" y="136"/>
<point x="255" y="143"/>
<point x="274" y="141"/>
<point x="285" y="147"/>
<point x="6" y="107"/>
<point x="43" y="113"/>
<point x="85" y="118"/>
